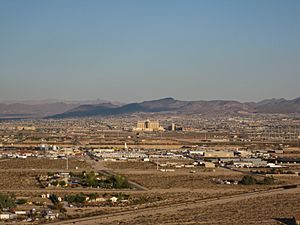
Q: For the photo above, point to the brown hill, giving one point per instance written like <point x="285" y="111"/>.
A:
<point x="188" y="107"/>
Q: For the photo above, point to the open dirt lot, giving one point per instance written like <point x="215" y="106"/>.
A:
<point x="145" y="174"/>
<point x="18" y="180"/>
<point x="128" y="165"/>
<point x="21" y="173"/>
<point x="277" y="209"/>
<point x="44" y="163"/>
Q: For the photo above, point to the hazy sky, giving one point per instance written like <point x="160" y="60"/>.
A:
<point x="145" y="49"/>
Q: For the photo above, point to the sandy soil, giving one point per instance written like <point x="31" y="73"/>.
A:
<point x="35" y="163"/>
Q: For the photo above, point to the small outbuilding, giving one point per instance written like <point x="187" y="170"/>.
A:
<point x="113" y="199"/>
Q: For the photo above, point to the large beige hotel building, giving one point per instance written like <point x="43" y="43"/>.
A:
<point x="148" y="126"/>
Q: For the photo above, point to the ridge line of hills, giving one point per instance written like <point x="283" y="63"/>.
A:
<point x="75" y="109"/>
<point x="172" y="105"/>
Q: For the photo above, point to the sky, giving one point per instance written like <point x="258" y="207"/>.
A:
<point x="128" y="51"/>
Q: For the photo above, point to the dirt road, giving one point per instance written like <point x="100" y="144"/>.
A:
<point x="106" y="219"/>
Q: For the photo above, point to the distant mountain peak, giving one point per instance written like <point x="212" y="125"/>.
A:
<point x="163" y="105"/>
<point x="167" y="99"/>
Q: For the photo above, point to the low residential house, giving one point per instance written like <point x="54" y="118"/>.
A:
<point x="179" y="166"/>
<point x="167" y="170"/>
<point x="100" y="199"/>
<point x="242" y="164"/>
<point x="7" y="216"/>
<point x="23" y="212"/>
<point x="113" y="199"/>
<point x="49" y="215"/>
<point x="66" y="175"/>
<point x="189" y="166"/>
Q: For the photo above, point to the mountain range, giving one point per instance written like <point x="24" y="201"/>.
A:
<point x="73" y="109"/>
<point x="171" y="105"/>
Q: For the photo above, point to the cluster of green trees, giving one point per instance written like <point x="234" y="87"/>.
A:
<point x="54" y="199"/>
<point x="114" y="181"/>
<point x="7" y="201"/>
<point x="250" y="180"/>
<point x="75" y="199"/>
<point x="118" y="181"/>
<point x="56" y="203"/>
<point x="21" y="201"/>
<point x="10" y="201"/>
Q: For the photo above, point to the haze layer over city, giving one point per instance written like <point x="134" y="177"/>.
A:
<point x="149" y="112"/>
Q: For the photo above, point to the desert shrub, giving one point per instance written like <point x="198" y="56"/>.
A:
<point x="118" y="182"/>
<point x="62" y="183"/>
<point x="267" y="181"/>
<point x="248" y="180"/>
<point x="54" y="199"/>
<point x="21" y="201"/>
<point x="55" y="183"/>
<point x="75" y="199"/>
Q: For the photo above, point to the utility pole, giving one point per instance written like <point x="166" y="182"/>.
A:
<point x="67" y="162"/>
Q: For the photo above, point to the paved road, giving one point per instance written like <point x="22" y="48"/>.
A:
<point x="119" y="216"/>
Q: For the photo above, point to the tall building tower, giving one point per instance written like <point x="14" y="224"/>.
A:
<point x="173" y="127"/>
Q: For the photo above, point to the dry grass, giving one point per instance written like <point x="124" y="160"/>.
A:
<point x="125" y="165"/>
<point x="18" y="180"/>
<point x="145" y="174"/>
<point x="277" y="209"/>
<point x="35" y="163"/>
<point x="190" y="181"/>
